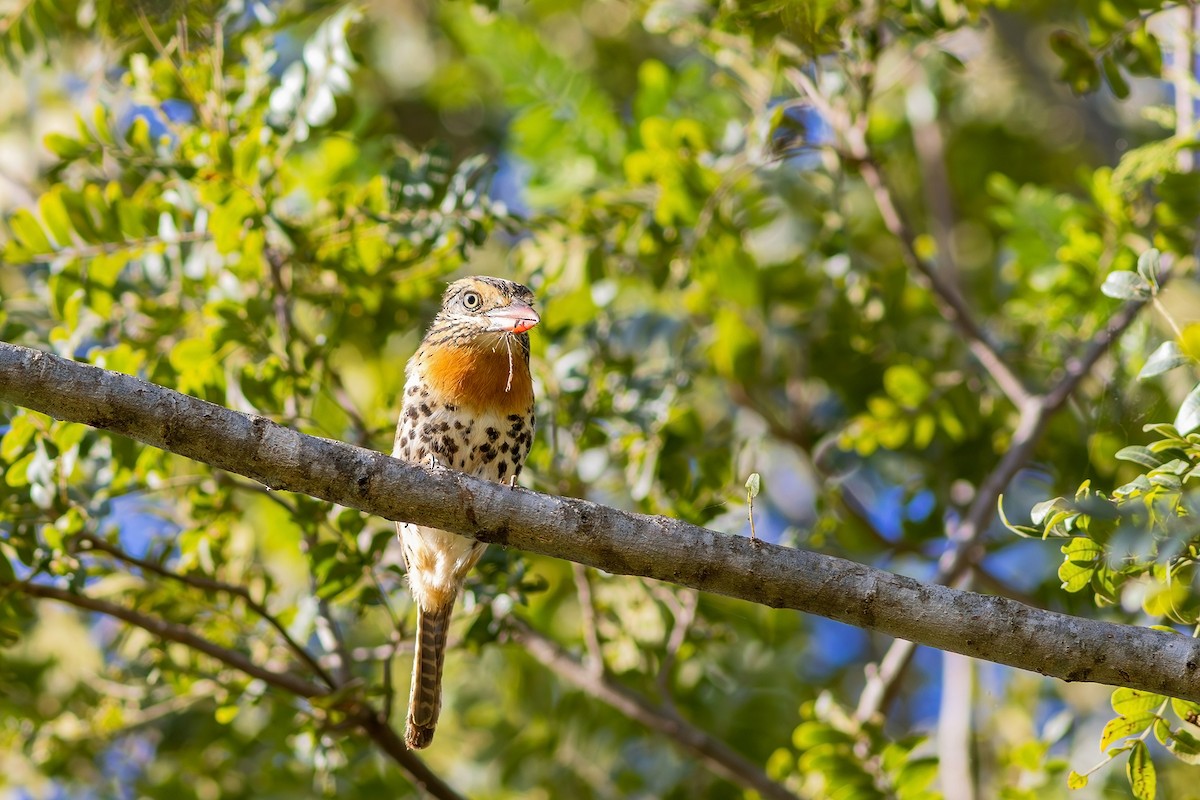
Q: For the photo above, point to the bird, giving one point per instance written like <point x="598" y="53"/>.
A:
<point x="467" y="406"/>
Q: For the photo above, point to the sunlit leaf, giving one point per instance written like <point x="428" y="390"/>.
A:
<point x="1140" y="771"/>
<point x="1188" y="418"/>
<point x="1125" y="285"/>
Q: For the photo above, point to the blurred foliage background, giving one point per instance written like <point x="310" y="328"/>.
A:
<point x="744" y="223"/>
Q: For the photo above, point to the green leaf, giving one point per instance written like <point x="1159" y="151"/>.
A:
<point x="1185" y="747"/>
<point x="1165" y="358"/>
<point x="905" y="385"/>
<point x="19" y="434"/>
<point x="1075" y="576"/>
<point x="1163" y="429"/>
<point x="1140" y="770"/>
<point x="29" y="233"/>
<point x="18" y="472"/>
<point x="103" y="131"/>
<point x="1139" y="455"/>
<point x="64" y="147"/>
<point x="1149" y="265"/>
<point x="753" y="485"/>
<point x="1186" y="710"/>
<point x="1188" y="418"/>
<point x="1080" y="548"/>
<point x="1116" y="81"/>
<point x="1164" y="600"/>
<point x="1132" y="702"/>
<point x="1126" y="285"/>
<point x="1042" y="511"/>
<point x="1020" y="530"/>
<point x="1189" y="340"/>
<point x="54" y="215"/>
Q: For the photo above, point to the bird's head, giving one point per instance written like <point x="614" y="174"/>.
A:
<point x="483" y="311"/>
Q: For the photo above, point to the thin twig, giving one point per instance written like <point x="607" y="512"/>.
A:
<point x="588" y="613"/>
<point x="281" y="305"/>
<point x="210" y="585"/>
<point x="184" y="83"/>
<point x="1034" y="411"/>
<point x="967" y="537"/>
<point x="174" y="632"/>
<point x="950" y="303"/>
<point x="384" y="736"/>
<point x="714" y="753"/>
<point x="683" y="612"/>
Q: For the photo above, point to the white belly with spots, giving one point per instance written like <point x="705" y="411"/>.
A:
<point x="485" y="444"/>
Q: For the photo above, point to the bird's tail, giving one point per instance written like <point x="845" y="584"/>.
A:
<point x="425" y="701"/>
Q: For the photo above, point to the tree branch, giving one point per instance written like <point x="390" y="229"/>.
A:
<point x="1035" y="410"/>
<point x="173" y="632"/>
<point x="712" y="751"/>
<point x="587" y="613"/>
<point x="378" y="730"/>
<point x="950" y="303"/>
<point x="202" y="583"/>
<point x="967" y="537"/>
<point x="992" y="628"/>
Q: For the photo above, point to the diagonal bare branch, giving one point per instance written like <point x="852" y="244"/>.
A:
<point x="992" y="628"/>
<point x="209" y="585"/>
<point x="174" y="632"/>
<point x="950" y="303"/>
<point x="384" y="736"/>
<point x="715" y="754"/>
<point x="1035" y="410"/>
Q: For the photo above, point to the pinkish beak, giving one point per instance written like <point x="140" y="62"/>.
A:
<point x="513" y="318"/>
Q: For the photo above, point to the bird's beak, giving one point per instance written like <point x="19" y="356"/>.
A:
<point x="513" y="318"/>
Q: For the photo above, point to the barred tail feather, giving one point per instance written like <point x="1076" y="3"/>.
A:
<point x="425" y="701"/>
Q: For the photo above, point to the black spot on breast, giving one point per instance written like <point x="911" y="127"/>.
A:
<point x="458" y="426"/>
<point x="424" y="393"/>
<point x="449" y="446"/>
<point x="451" y="407"/>
<point x="425" y="411"/>
<point x="412" y="390"/>
<point x="504" y="447"/>
<point x="516" y="419"/>
<point x="502" y="468"/>
<point x="411" y="413"/>
<point x="421" y="453"/>
<point x="488" y="456"/>
<point x="462" y="463"/>
<point x="445" y="426"/>
<point x="493" y="434"/>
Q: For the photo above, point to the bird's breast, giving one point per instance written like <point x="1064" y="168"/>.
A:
<point x="479" y="379"/>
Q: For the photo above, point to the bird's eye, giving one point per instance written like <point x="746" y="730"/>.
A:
<point x="472" y="301"/>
